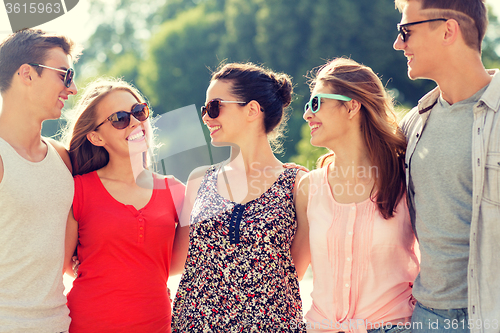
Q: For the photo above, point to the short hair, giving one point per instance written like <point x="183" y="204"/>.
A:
<point x="30" y="46"/>
<point x="471" y="15"/>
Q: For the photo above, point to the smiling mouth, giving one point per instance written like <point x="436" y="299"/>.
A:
<point x="214" y="129"/>
<point x="315" y="127"/>
<point x="136" y="137"/>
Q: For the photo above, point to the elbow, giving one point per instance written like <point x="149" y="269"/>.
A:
<point x="301" y="272"/>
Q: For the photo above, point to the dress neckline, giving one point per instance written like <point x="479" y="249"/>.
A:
<point x="153" y="194"/>
<point x="216" y="177"/>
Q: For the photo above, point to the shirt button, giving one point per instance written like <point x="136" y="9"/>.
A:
<point x="347" y="285"/>
<point x="353" y="207"/>
<point x="141" y="219"/>
<point x="140" y="236"/>
<point x="348" y="259"/>
<point x="350" y="233"/>
<point x="141" y="228"/>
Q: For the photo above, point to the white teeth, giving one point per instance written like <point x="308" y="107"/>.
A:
<point x="139" y="135"/>
<point x="313" y="127"/>
<point x="214" y="128"/>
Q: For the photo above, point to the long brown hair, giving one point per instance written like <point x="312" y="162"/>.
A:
<point x="385" y="142"/>
<point x="86" y="157"/>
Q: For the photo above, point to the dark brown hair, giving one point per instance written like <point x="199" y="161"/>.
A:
<point x="86" y="157"/>
<point x="385" y="142"/>
<point x="30" y="46"/>
<point x="471" y="15"/>
<point x="273" y="91"/>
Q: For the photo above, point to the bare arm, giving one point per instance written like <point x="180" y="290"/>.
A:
<point x="70" y="243"/>
<point x="181" y="241"/>
<point x="62" y="152"/>
<point x="301" y="253"/>
<point x="180" y="249"/>
<point x="1" y="169"/>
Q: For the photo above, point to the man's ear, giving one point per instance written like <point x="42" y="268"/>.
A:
<point x="25" y="72"/>
<point x="452" y="30"/>
<point x="95" y="139"/>
<point x="353" y="107"/>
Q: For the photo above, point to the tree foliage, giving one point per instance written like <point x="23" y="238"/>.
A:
<point x="168" y="47"/>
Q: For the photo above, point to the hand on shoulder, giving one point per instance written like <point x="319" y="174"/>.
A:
<point x="295" y="166"/>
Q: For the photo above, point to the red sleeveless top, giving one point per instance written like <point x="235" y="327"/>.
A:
<point x="125" y="257"/>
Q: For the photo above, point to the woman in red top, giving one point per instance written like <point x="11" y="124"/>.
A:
<point x="123" y="217"/>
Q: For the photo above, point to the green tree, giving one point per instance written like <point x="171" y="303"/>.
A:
<point x="491" y="43"/>
<point x="167" y="47"/>
<point x="175" y="72"/>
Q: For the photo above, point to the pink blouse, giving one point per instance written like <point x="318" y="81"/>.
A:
<point x="363" y="265"/>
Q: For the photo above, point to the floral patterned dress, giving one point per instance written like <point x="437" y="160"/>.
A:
<point x="239" y="275"/>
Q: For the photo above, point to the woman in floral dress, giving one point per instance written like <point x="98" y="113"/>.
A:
<point x="239" y="274"/>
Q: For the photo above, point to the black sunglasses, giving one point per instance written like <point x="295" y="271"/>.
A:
<point x="68" y="77"/>
<point x="213" y="107"/>
<point x="121" y="119"/>
<point x="404" y="32"/>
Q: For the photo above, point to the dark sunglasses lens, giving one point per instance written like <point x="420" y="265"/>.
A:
<point x="212" y="108"/>
<point x="315" y="104"/>
<point x="140" y="112"/>
<point x="120" y="120"/>
<point x="69" y="77"/>
<point x="402" y="32"/>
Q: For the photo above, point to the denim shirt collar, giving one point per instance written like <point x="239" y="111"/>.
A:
<point x="491" y="97"/>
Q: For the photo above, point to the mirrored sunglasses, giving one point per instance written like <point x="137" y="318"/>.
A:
<point x="121" y="119"/>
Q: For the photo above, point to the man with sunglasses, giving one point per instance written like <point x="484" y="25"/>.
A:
<point x="453" y="166"/>
<point x="36" y="186"/>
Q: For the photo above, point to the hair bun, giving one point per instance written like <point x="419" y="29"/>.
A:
<point x="285" y="88"/>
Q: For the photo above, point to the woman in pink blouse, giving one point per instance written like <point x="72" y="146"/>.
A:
<point x="360" y="244"/>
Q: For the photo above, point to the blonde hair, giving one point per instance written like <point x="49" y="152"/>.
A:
<point x="82" y="120"/>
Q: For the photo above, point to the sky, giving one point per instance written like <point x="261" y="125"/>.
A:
<point x="79" y="26"/>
